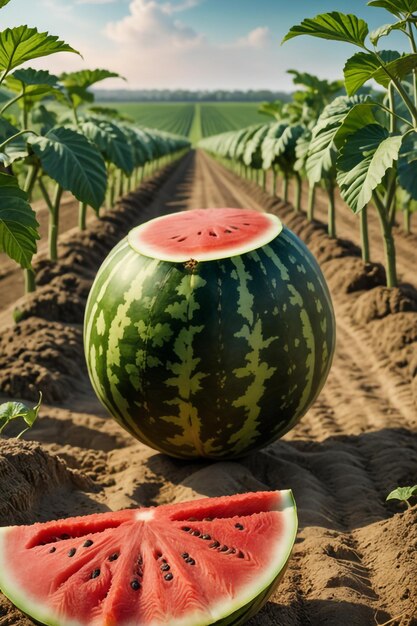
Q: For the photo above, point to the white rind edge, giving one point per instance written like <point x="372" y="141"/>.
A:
<point x="276" y="227"/>
<point x="281" y="554"/>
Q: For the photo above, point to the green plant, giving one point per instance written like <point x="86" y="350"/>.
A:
<point x="375" y="142"/>
<point x="10" y="411"/>
<point x="404" y="494"/>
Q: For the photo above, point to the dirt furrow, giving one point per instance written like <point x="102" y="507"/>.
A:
<point x="354" y="558"/>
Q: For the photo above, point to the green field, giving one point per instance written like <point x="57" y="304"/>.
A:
<point x="189" y="119"/>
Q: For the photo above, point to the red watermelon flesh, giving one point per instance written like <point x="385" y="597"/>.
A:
<point x="210" y="561"/>
<point x="204" y="234"/>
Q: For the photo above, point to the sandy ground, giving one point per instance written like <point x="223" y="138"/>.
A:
<point x="354" y="562"/>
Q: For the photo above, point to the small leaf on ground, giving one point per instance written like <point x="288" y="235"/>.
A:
<point x="13" y="410"/>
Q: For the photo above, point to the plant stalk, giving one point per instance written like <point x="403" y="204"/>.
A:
<point x="311" y="202"/>
<point x="30" y="278"/>
<point x="82" y="215"/>
<point x="363" y="217"/>
<point x="298" y="192"/>
<point x="331" y="227"/>
<point x="285" y="188"/>
<point x="388" y="239"/>
<point x="54" y="224"/>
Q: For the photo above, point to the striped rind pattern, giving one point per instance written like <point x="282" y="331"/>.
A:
<point x="212" y="360"/>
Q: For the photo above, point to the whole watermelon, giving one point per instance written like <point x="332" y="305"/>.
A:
<point x="209" y="333"/>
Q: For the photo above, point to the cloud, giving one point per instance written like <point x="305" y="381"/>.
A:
<point x="257" y="38"/>
<point x="152" y="25"/>
<point x="95" y="1"/>
<point x="182" y="6"/>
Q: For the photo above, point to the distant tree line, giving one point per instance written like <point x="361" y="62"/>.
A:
<point x="184" y="95"/>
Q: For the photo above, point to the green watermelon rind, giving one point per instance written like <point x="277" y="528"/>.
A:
<point x="137" y="241"/>
<point x="269" y="307"/>
<point x="247" y="603"/>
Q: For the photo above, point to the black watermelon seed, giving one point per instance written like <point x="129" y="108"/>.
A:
<point x="192" y="519"/>
<point x="113" y="557"/>
<point x="215" y="544"/>
<point x="72" y="552"/>
<point x="135" y="584"/>
<point x="239" y="526"/>
<point x="190" y="561"/>
<point x="140" y="573"/>
<point x="52" y="550"/>
<point x="224" y="549"/>
<point x="65" y="536"/>
<point x="196" y="533"/>
<point x="205" y="537"/>
<point x="186" y="529"/>
<point x="95" y="573"/>
<point x="240" y="555"/>
<point x="140" y="561"/>
<point x="165" y="567"/>
<point x="185" y="555"/>
<point x="208" y="519"/>
<point x="87" y="543"/>
<point x="168" y="576"/>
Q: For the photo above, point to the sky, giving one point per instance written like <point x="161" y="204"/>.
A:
<point x="190" y="44"/>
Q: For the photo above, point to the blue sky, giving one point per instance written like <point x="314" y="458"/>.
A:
<point x="192" y="44"/>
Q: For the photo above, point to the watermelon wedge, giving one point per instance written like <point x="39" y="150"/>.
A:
<point x="209" y="561"/>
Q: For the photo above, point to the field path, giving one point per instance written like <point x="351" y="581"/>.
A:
<point x="354" y="562"/>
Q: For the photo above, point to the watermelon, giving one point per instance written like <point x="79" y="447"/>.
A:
<point x="210" y="561"/>
<point x="209" y="333"/>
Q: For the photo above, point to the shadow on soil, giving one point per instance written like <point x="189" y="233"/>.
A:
<point x="340" y="483"/>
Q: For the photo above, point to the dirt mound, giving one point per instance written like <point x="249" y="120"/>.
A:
<point x="41" y="355"/>
<point x="61" y="300"/>
<point x="396" y="583"/>
<point x="353" y="275"/>
<point x="28" y="476"/>
<point x="382" y="302"/>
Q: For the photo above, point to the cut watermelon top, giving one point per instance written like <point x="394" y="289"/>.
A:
<point x="204" y="234"/>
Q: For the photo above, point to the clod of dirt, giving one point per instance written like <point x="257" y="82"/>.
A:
<point x="37" y="355"/>
<point x="353" y="275"/>
<point x="62" y="300"/>
<point x="381" y="302"/>
<point x="28" y="475"/>
<point x="398" y="557"/>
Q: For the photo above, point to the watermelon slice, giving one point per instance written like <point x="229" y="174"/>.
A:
<point x="204" y="234"/>
<point x="210" y="561"/>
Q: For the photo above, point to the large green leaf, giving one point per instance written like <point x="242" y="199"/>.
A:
<point x="45" y="118"/>
<point x="363" y="66"/>
<point x="322" y="152"/>
<point x="111" y="141"/>
<point x="18" y="225"/>
<point x="334" y="26"/>
<point x="33" y="82"/>
<point x="74" y="162"/>
<point x="87" y="78"/>
<point x="396" y="7"/>
<point x="21" y="44"/>
<point x="385" y="30"/>
<point x="3" y="3"/>
<point x="399" y="68"/>
<point x="365" y="158"/>
<point x="407" y="165"/>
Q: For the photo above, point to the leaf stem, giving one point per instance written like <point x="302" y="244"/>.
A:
<point x="11" y="102"/>
<point x="15" y="136"/>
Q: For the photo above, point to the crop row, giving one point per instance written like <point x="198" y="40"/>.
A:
<point x="364" y="142"/>
<point x="91" y="152"/>
<point x="192" y="120"/>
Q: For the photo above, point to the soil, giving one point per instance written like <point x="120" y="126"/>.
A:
<point x="354" y="561"/>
